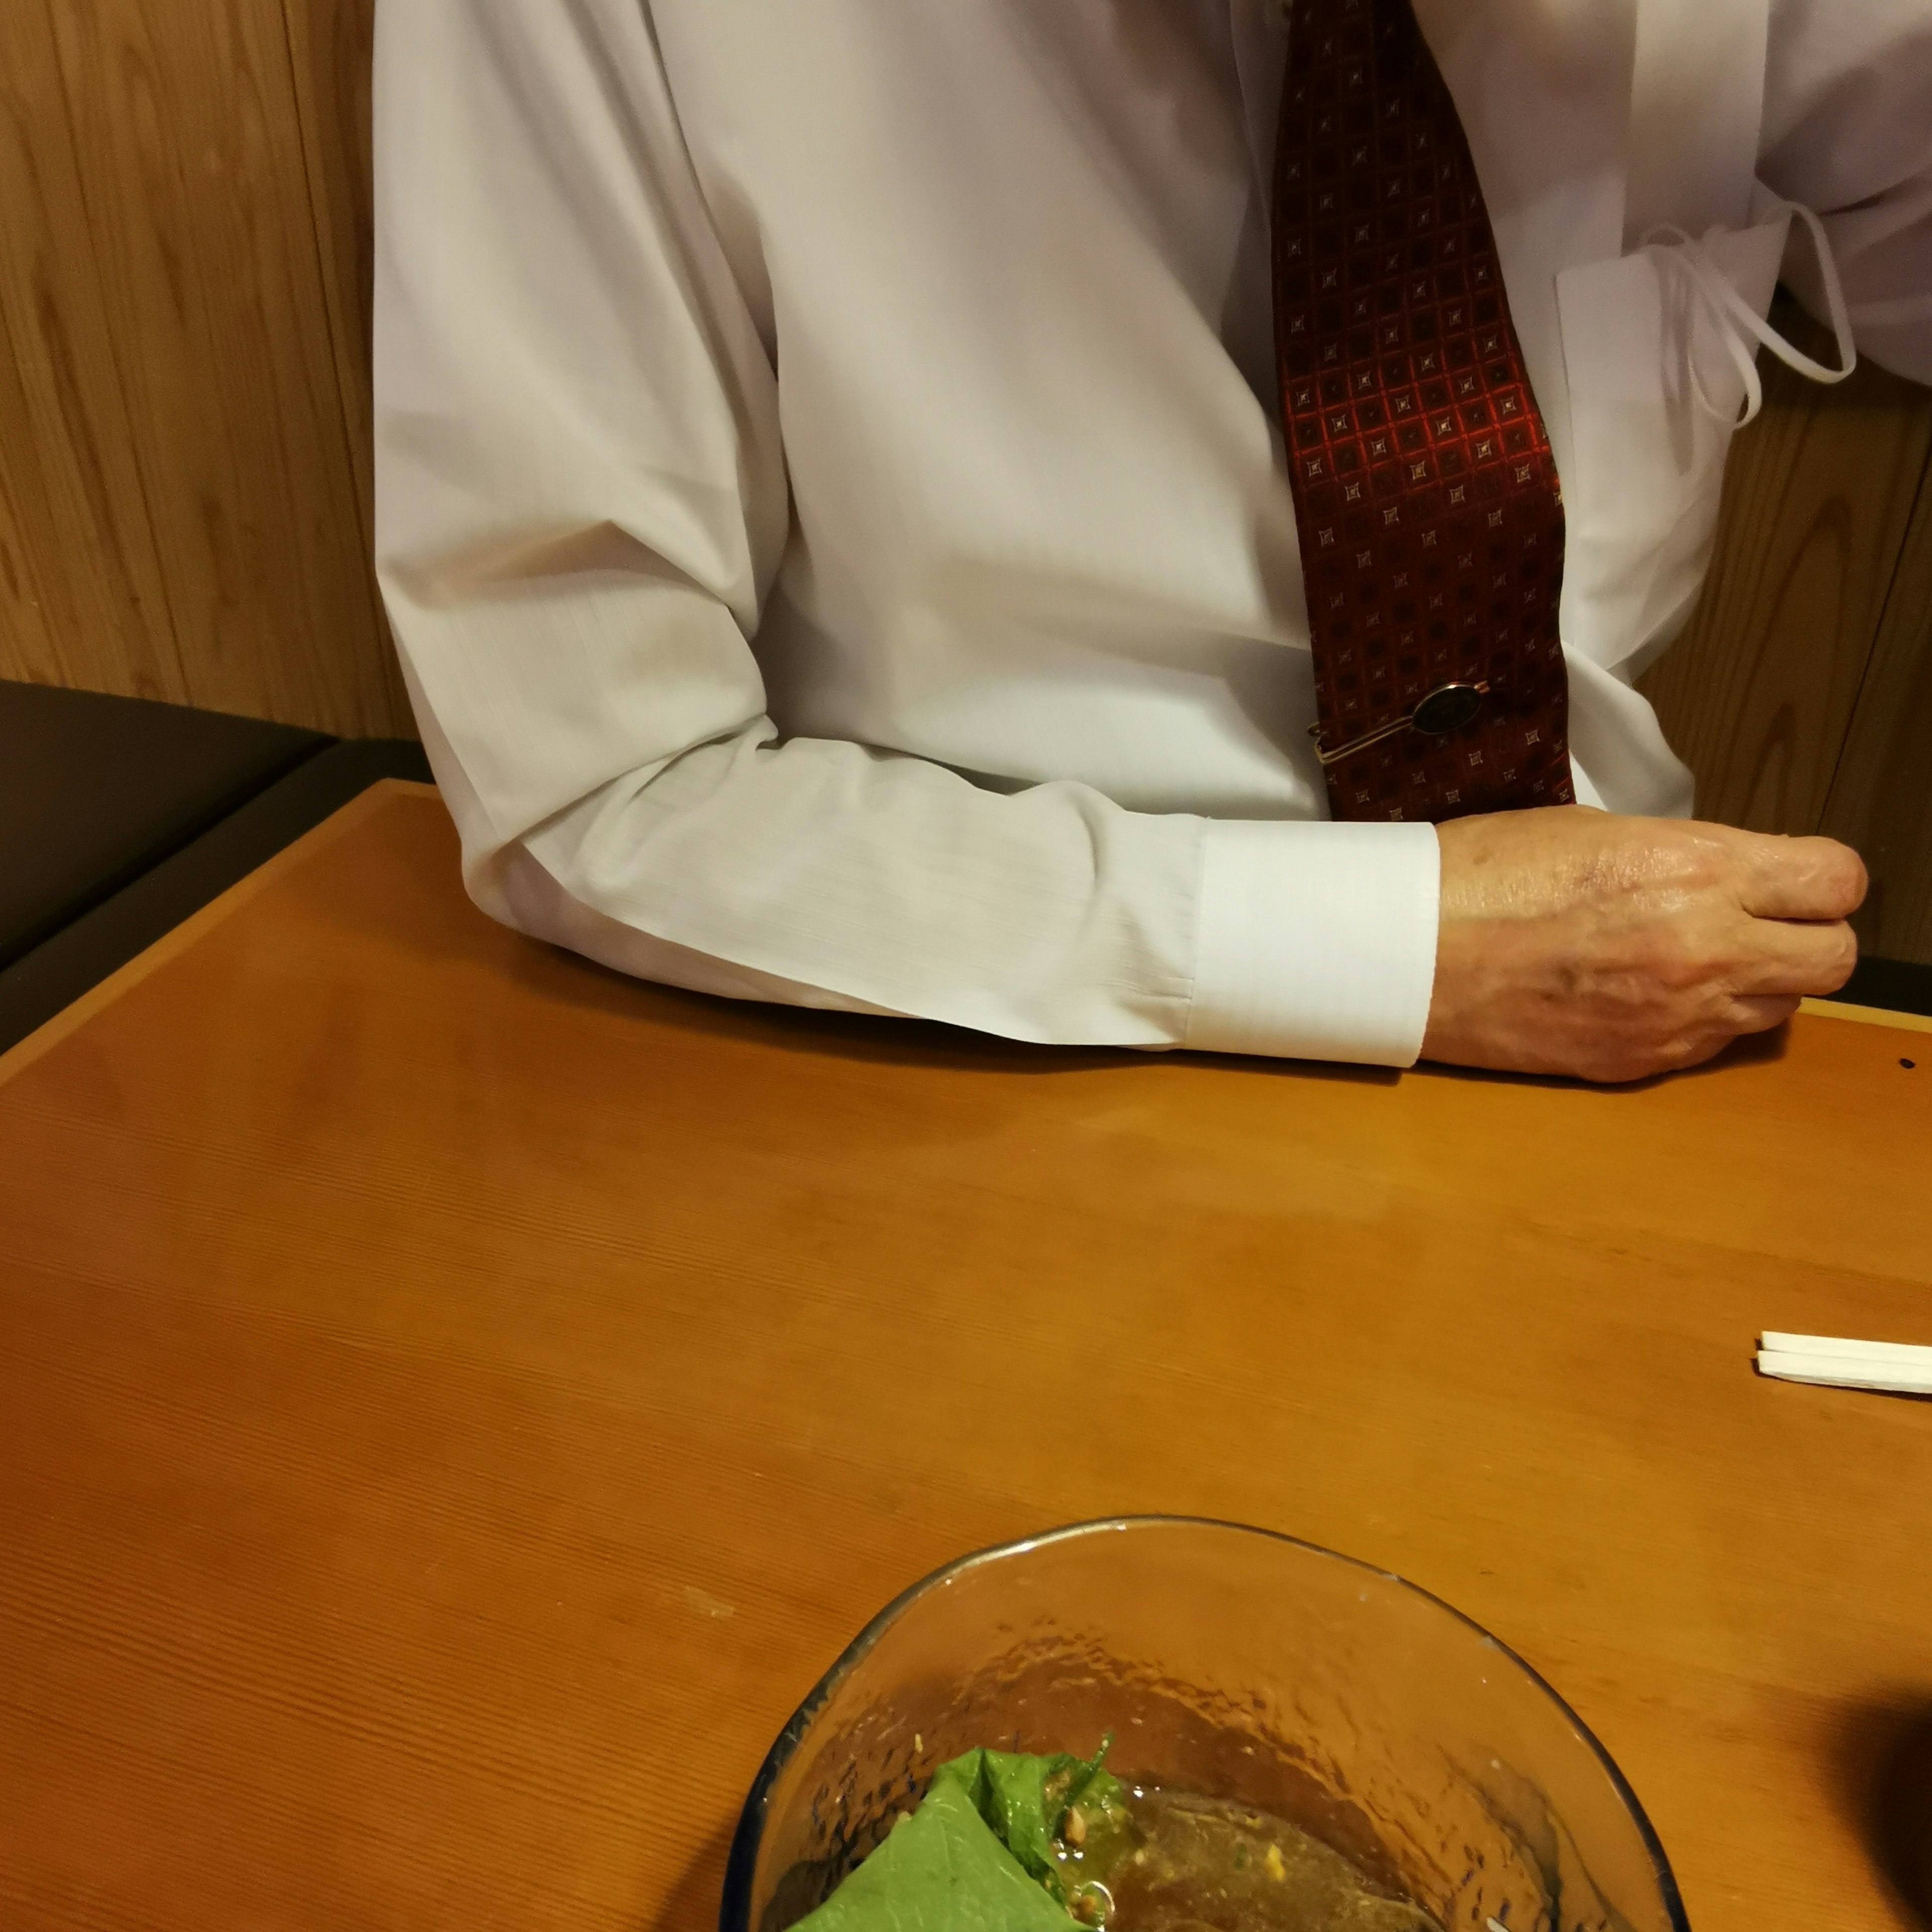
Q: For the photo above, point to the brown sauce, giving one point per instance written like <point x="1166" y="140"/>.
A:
<point x="1205" y="1864"/>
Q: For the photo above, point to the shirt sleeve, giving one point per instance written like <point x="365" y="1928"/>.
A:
<point x="1848" y="132"/>
<point x="581" y="505"/>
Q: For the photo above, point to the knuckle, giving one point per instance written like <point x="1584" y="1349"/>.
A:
<point x="1706" y="866"/>
<point x="1696" y="1046"/>
<point x="1675" y="957"/>
<point x="1690" y="862"/>
<point x="1624" y="1059"/>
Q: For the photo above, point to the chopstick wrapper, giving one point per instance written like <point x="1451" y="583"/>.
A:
<point x="1832" y="1361"/>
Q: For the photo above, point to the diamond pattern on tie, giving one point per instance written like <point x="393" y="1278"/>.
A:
<point x="1430" y="519"/>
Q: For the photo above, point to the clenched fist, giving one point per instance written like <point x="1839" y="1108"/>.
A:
<point x="1574" y="941"/>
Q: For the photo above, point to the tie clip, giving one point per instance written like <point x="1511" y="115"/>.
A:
<point x="1446" y="709"/>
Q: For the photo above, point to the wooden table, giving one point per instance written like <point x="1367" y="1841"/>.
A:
<point x="453" y="1401"/>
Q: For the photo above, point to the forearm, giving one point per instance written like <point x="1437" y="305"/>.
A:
<point x="819" y="874"/>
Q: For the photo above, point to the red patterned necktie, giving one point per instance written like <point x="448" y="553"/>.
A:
<point x="1430" y="521"/>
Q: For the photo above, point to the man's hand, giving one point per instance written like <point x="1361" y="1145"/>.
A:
<point x="1573" y="941"/>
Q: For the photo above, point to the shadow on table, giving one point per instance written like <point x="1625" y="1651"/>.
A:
<point x="1884" y="1761"/>
<point x="693" y="1904"/>
<point x="884" y="1039"/>
<point x="1750" y="1049"/>
<point x="554" y="972"/>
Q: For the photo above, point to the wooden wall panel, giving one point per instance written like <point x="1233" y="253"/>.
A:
<point x="207" y="240"/>
<point x="330" y="43"/>
<point x="1757" y="695"/>
<point x="1881" y="798"/>
<point x="329" y="46"/>
<point x="82" y="597"/>
<point x="239" y="446"/>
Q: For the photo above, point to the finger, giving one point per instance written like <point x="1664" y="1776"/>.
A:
<point x="1793" y="957"/>
<point x="1800" y="878"/>
<point x="1760" y="1013"/>
<point x="1742" y="1016"/>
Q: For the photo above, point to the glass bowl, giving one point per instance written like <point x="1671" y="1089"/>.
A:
<point x="1231" y="1662"/>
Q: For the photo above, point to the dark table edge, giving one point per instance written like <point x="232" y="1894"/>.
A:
<point x="82" y="953"/>
<point x="1895" y="985"/>
<point x="157" y="852"/>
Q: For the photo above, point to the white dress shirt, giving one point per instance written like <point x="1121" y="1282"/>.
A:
<point x="829" y="492"/>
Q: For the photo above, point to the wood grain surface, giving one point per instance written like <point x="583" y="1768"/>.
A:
<point x="82" y="602"/>
<point x="329" y="45"/>
<point x="1758" y="695"/>
<point x="192" y="383"/>
<point x="455" y="1401"/>
<point x="1881" y="797"/>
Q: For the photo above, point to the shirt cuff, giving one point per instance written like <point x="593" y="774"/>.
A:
<point x="1316" y="941"/>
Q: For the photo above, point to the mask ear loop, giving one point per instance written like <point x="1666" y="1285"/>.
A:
<point x="1739" y="326"/>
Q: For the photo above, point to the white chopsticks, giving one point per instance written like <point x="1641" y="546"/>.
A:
<point x="1832" y="1362"/>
